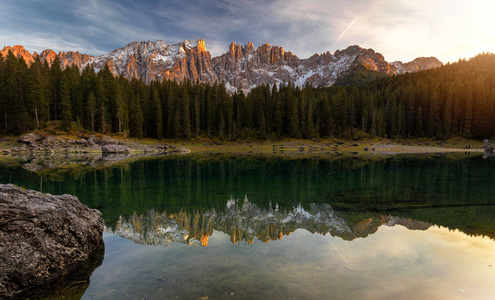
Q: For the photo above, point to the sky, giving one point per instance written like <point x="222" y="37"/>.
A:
<point x="399" y="29"/>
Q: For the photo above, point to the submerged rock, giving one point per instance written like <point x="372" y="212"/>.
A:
<point x="181" y="150"/>
<point x="156" y="149"/>
<point x="44" y="239"/>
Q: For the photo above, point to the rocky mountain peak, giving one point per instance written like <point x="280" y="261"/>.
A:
<point x="187" y="60"/>
<point x="249" y="48"/>
<point x="18" y="51"/>
<point x="48" y="55"/>
<point x="242" y="65"/>
<point x="351" y="50"/>
<point x="418" y="64"/>
<point x="70" y="58"/>
<point x="198" y="45"/>
<point x="264" y="49"/>
<point x="235" y="51"/>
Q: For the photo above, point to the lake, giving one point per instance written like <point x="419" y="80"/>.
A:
<point x="404" y="227"/>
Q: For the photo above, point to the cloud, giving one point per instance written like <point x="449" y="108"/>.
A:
<point x="404" y="30"/>
<point x="400" y="30"/>
<point x="343" y="32"/>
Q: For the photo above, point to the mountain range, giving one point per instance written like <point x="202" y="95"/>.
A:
<point x="240" y="67"/>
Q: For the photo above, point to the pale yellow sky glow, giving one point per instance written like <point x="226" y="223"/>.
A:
<point x="393" y="263"/>
<point x="403" y="29"/>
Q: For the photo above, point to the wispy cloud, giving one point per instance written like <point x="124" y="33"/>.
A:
<point x="343" y="32"/>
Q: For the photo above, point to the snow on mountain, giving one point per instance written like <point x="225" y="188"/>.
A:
<point x="158" y="61"/>
<point x="241" y="67"/>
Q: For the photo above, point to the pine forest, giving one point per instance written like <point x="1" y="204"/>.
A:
<point x="457" y="99"/>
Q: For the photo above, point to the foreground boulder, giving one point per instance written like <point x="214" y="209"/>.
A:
<point x="44" y="239"/>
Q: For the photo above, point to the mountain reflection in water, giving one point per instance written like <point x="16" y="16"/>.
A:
<point x="339" y="213"/>
<point x="455" y="192"/>
<point x="246" y="221"/>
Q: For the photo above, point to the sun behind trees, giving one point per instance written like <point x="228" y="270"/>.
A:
<point x="455" y="100"/>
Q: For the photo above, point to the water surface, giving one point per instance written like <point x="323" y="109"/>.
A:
<point x="232" y="227"/>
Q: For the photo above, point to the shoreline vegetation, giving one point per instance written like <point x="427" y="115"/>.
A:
<point x="43" y="143"/>
<point x="58" y="166"/>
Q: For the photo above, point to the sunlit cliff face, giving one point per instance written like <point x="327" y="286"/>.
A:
<point x="244" y="222"/>
<point x="242" y="66"/>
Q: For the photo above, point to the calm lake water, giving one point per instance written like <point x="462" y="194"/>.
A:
<point x="248" y="228"/>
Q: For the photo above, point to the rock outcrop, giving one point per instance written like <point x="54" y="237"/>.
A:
<point x="115" y="149"/>
<point x="487" y="146"/>
<point x="30" y="138"/>
<point x="180" y="150"/>
<point x="42" y="143"/>
<point x="158" y="61"/>
<point x="489" y="149"/>
<point x="242" y="66"/>
<point x="66" y="58"/>
<point x="44" y="238"/>
<point x="19" y="51"/>
<point x="246" y="68"/>
<point x="36" y="143"/>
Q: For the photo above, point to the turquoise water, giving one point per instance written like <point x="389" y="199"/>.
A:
<point x="231" y="227"/>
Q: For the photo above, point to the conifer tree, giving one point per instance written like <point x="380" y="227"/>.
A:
<point x="136" y="117"/>
<point x="419" y="123"/>
<point x="293" y="118"/>
<point x="468" y="113"/>
<point x="185" y="112"/>
<point x="309" y="115"/>
<point x="65" y="104"/>
<point x="91" y="109"/>
<point x="119" y="108"/>
<point x="101" y="104"/>
<point x="56" y="78"/>
<point x="210" y="114"/>
<point x="158" y="117"/>
<point x="37" y="99"/>
<point x="197" y="115"/>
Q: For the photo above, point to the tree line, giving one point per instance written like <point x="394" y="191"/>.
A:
<point x="455" y="100"/>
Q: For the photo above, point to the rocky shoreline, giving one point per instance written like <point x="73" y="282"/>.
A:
<point x="46" y="242"/>
<point x="38" y="143"/>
